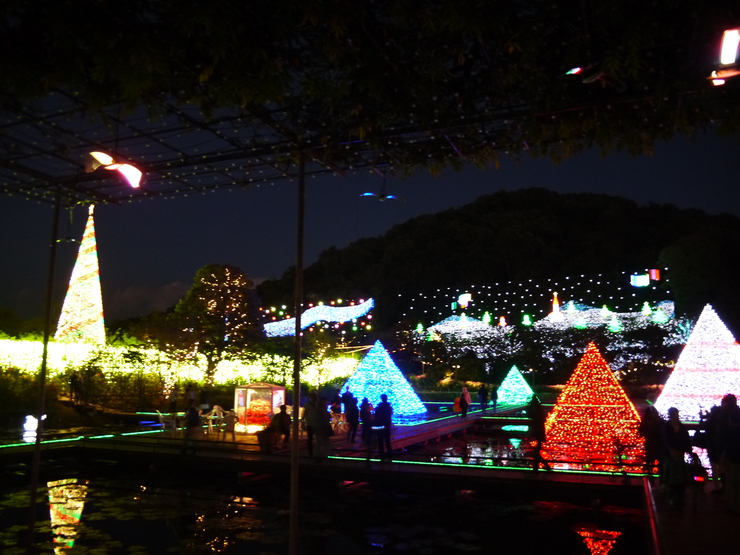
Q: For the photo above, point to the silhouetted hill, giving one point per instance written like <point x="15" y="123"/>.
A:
<point x="532" y="234"/>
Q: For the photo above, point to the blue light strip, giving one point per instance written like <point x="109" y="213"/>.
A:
<point x="315" y="314"/>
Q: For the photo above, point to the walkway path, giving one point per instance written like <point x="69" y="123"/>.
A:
<point x="703" y="527"/>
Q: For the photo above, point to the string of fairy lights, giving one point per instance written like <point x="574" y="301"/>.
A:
<point x="181" y="152"/>
<point x="321" y="317"/>
<point x="531" y="299"/>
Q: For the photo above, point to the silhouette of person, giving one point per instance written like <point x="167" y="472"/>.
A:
<point x="483" y="396"/>
<point x="536" y="415"/>
<point x="352" y="414"/>
<point x="230" y="424"/>
<point x="190" y="393"/>
<point x="710" y="428"/>
<point x="346" y="397"/>
<point x="310" y="418"/>
<point x="174" y="394"/>
<point x="336" y="404"/>
<point x="730" y="444"/>
<point x="676" y="473"/>
<point x="463" y="407"/>
<point x="651" y="428"/>
<point x="322" y="428"/>
<point x="193" y="428"/>
<point x="382" y="419"/>
<point x="366" y="417"/>
<point x="464" y="402"/>
<point x="280" y="424"/>
<point x="74" y="387"/>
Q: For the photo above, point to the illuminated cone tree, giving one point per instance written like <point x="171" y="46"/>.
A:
<point x="377" y="374"/>
<point x="82" y="312"/>
<point x="594" y="425"/>
<point x="514" y="390"/>
<point x="708" y="368"/>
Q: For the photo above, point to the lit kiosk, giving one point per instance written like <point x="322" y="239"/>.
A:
<point x="255" y="404"/>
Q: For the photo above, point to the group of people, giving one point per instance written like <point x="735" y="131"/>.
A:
<point x="463" y="403"/>
<point x="225" y="423"/>
<point x="668" y="443"/>
<point x="376" y="422"/>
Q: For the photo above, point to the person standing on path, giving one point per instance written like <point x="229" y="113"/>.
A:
<point x="322" y="429"/>
<point x="281" y="424"/>
<point x="174" y="394"/>
<point x="346" y="398"/>
<point x="352" y="415"/>
<point x="309" y="417"/>
<point x="651" y="428"/>
<point x="230" y="425"/>
<point x="465" y="402"/>
<point x="675" y="471"/>
<point x="730" y="445"/>
<point x="483" y="396"/>
<point x="382" y="420"/>
<point x="190" y="393"/>
<point x="537" y="416"/>
<point x="193" y="429"/>
<point x="366" y="417"/>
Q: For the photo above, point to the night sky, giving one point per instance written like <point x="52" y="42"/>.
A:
<point x="150" y="249"/>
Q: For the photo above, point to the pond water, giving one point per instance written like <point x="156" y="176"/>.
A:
<point x="105" y="506"/>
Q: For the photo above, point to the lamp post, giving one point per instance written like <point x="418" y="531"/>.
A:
<point x="133" y="178"/>
<point x="41" y="407"/>
<point x="294" y="460"/>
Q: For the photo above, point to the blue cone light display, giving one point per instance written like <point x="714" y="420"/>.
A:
<point x="377" y="374"/>
<point x="514" y="390"/>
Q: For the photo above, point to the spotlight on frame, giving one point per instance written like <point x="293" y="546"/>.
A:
<point x="727" y="58"/>
<point x="98" y="159"/>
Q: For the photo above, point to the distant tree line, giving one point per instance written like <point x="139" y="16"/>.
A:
<point x="531" y="234"/>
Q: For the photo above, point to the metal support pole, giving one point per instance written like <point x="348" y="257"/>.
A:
<point x="298" y="310"/>
<point x="41" y="409"/>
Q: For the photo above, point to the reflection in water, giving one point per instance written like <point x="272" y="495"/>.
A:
<point x="29" y="428"/>
<point x="599" y="542"/>
<point x="66" y="500"/>
<point x="480" y="451"/>
<point x="158" y="507"/>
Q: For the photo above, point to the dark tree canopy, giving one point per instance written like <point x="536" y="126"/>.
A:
<point x="420" y="84"/>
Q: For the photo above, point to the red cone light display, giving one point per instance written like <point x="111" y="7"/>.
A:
<point x="594" y="425"/>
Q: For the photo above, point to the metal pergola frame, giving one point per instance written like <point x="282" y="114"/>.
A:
<point x="44" y="145"/>
<point x="181" y="151"/>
